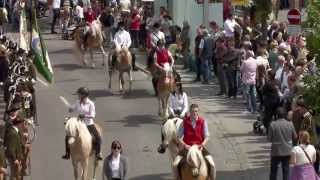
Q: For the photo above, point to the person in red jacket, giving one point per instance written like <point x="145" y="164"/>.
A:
<point x="89" y="17"/>
<point x="194" y="131"/>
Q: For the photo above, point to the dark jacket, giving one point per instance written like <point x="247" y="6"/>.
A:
<point x="232" y="58"/>
<point x="123" y="167"/>
<point x="13" y="144"/>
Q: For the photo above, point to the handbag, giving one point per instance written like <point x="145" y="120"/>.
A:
<point x="316" y="175"/>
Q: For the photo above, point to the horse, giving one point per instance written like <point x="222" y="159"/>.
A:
<point x="122" y="64"/>
<point x="94" y="41"/>
<point x="80" y="143"/>
<point x="195" y="166"/>
<point x="166" y="84"/>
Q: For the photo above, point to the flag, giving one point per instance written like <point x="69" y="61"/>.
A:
<point x="41" y="61"/>
<point x="23" y="31"/>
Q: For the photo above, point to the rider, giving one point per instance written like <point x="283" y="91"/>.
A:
<point x="161" y="57"/>
<point x="121" y="39"/>
<point x="86" y="110"/>
<point x="89" y="17"/>
<point x="178" y="102"/>
<point x="193" y="131"/>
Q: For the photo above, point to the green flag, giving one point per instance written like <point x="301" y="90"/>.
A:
<point x="41" y="61"/>
<point x="23" y="31"/>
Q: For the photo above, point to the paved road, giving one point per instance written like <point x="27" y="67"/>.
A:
<point x="132" y="119"/>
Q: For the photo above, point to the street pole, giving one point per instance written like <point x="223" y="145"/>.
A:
<point x="206" y="13"/>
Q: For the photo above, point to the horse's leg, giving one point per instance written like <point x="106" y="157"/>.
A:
<point x="130" y="79"/>
<point x="160" y="105"/>
<point x="75" y="169"/>
<point x="103" y="55"/>
<point x="85" y="169"/>
<point x="110" y="72"/>
<point x="166" y="113"/>
<point x="91" y="58"/>
<point x="121" y="81"/>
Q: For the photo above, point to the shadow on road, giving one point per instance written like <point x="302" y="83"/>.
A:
<point x="138" y="120"/>
<point x="153" y="177"/>
<point x="138" y="94"/>
<point x="98" y="93"/>
<point x="69" y="67"/>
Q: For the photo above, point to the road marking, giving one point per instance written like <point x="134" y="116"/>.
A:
<point x="42" y="82"/>
<point x="65" y="101"/>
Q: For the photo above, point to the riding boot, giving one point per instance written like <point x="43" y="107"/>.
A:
<point x="97" y="140"/>
<point x="155" y="83"/>
<point x="67" y="155"/>
<point x="211" y="167"/>
<point x="84" y="41"/>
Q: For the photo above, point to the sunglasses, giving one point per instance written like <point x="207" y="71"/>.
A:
<point x="116" y="147"/>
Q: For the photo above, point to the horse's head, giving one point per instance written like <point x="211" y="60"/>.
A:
<point x="169" y="134"/>
<point x="196" y="161"/>
<point x="72" y="128"/>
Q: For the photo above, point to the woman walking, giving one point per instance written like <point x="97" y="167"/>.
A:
<point x="115" y="166"/>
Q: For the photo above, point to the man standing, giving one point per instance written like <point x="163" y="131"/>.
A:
<point x="56" y="14"/>
<point x="281" y="134"/>
<point x="206" y="54"/>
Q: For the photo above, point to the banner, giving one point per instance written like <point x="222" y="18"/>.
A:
<point x="41" y="61"/>
<point x="23" y="31"/>
<point x="241" y="2"/>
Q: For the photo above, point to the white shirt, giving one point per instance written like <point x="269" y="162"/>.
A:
<point x="156" y="36"/>
<point x="122" y="38"/>
<point x="56" y="4"/>
<point x="86" y="108"/>
<point x="284" y="83"/>
<point x="262" y="61"/>
<point x="300" y="156"/>
<point x="115" y="166"/>
<point x="178" y="102"/>
<point x="79" y="12"/>
<point x="229" y="26"/>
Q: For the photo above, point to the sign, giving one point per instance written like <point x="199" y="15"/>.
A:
<point x="294" y="16"/>
<point x="294" y="29"/>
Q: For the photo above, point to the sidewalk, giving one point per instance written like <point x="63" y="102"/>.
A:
<point x="238" y="152"/>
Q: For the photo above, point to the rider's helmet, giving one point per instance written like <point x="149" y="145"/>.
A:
<point x="84" y="91"/>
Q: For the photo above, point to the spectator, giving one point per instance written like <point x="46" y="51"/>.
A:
<point x="178" y="102"/>
<point x="232" y="65"/>
<point x="302" y="157"/>
<point x="273" y="55"/>
<point x="115" y="166"/>
<point x="220" y="52"/>
<point x="282" y="73"/>
<point x="206" y="54"/>
<point x="271" y="98"/>
<point x="248" y="70"/>
<point x="56" y="14"/>
<point x="4" y="64"/>
<point x="3" y="165"/>
<point x="196" y="51"/>
<point x="229" y="26"/>
<point x="135" y="27"/>
<point x="107" y="21"/>
<point x="261" y="76"/>
<point x="281" y="135"/>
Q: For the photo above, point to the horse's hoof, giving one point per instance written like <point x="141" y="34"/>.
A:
<point x="161" y="149"/>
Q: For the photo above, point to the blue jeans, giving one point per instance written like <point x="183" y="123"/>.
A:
<point x="250" y="94"/>
<point x="206" y="64"/>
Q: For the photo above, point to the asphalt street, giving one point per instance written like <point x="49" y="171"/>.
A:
<point x="132" y="119"/>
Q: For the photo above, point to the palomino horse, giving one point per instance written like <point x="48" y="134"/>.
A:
<point x="80" y="143"/>
<point x="123" y="64"/>
<point x="166" y="85"/>
<point x="169" y="133"/>
<point x="93" y="41"/>
<point x="195" y="166"/>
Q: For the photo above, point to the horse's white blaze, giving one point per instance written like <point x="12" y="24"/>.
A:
<point x="195" y="157"/>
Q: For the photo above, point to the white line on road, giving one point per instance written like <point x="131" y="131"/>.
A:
<point x="65" y="101"/>
<point x="42" y="82"/>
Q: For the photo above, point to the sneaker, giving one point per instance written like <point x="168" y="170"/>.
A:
<point x="66" y="156"/>
<point x="246" y="112"/>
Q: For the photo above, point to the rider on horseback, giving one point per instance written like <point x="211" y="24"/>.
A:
<point x="161" y="57"/>
<point x="89" y="17"/>
<point x="86" y="109"/>
<point x="121" y="39"/>
<point x="194" y="131"/>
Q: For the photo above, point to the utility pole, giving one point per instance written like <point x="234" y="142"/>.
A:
<point x="206" y="13"/>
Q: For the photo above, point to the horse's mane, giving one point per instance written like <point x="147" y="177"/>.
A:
<point x="74" y="126"/>
<point x="195" y="157"/>
<point x="170" y="128"/>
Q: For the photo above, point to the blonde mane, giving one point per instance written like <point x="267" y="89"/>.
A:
<point x="195" y="158"/>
